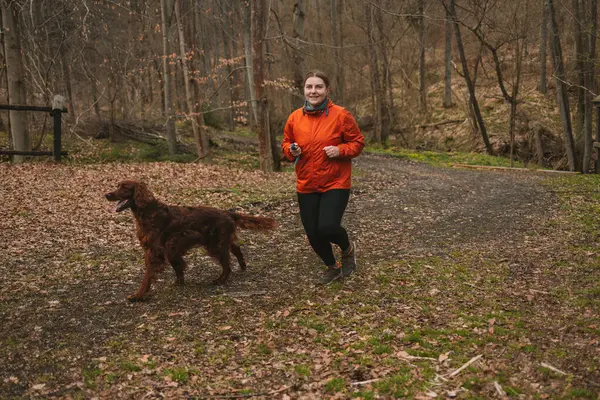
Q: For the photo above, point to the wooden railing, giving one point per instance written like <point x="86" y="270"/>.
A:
<point x="56" y="111"/>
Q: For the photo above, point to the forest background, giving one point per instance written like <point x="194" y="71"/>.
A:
<point x="503" y="77"/>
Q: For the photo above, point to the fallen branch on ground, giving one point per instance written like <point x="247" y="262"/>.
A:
<point x="436" y="124"/>
<point x="471" y="361"/>
<point x="512" y="169"/>
<point x="365" y="382"/>
<point x="246" y="294"/>
<point x="245" y="395"/>
<point x="550" y="367"/>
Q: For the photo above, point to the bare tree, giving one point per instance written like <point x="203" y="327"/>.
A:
<point x="590" y="87"/>
<point x="376" y="95"/>
<point x="337" y="34"/>
<point x="561" y="90"/>
<point x="386" y="102"/>
<point x="580" y="55"/>
<point x="258" y="18"/>
<point x="246" y="17"/>
<point x="543" y="47"/>
<point x="15" y="73"/>
<point x="517" y="36"/>
<point x="448" y="63"/>
<point x="200" y="136"/>
<point x="228" y="48"/>
<point x="421" y="33"/>
<point x="169" y="112"/>
<point x="451" y="8"/>
<point x="298" y="38"/>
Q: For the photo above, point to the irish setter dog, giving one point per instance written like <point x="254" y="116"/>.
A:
<point x="167" y="232"/>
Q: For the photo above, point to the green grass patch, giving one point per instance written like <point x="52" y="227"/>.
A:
<point x="129" y="366"/>
<point x="579" y="393"/>
<point x="397" y="385"/>
<point x="127" y="152"/>
<point x="90" y="374"/>
<point x="444" y="159"/>
<point x="263" y="349"/>
<point x="335" y="385"/>
<point x="313" y="323"/>
<point x="364" y="394"/>
<point x="178" y="374"/>
<point x="302" y="370"/>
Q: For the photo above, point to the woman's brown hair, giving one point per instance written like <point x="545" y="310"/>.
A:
<point x="317" y="74"/>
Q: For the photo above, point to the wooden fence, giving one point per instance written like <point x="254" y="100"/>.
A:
<point x="56" y="111"/>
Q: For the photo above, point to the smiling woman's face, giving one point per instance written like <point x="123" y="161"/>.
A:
<point x="315" y="90"/>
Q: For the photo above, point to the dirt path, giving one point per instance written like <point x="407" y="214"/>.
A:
<point x="67" y="328"/>
<point x="424" y="209"/>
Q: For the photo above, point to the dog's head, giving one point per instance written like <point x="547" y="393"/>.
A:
<point x="130" y="194"/>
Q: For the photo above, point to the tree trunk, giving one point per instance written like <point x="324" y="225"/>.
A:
<point x="95" y="98"/>
<point x="298" y="37"/>
<point x="168" y="107"/>
<point x="16" y="78"/>
<point x="180" y="106"/>
<point x="589" y="84"/>
<point x="336" y="8"/>
<point x="319" y="23"/>
<point x="197" y="63"/>
<point x="422" y="87"/>
<point x="470" y="84"/>
<point x="237" y="79"/>
<point x="112" y="93"/>
<point x="539" y="147"/>
<point x="247" y="34"/>
<point x="375" y="78"/>
<point x="227" y="52"/>
<point x="258" y="15"/>
<point x="386" y="107"/>
<point x="66" y="66"/>
<point x="519" y="48"/>
<point x="543" y="87"/>
<point x="561" y="90"/>
<point x="448" y="64"/>
<point x="578" y="24"/>
<point x="200" y="137"/>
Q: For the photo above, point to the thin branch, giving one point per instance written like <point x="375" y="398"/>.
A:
<point x="573" y="85"/>
<point x="225" y="80"/>
<point x="246" y="395"/>
<point x="471" y="361"/>
<point x="415" y="16"/>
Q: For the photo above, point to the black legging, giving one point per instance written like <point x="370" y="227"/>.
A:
<point x="321" y="215"/>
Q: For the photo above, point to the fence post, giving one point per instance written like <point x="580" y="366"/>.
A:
<point x="58" y="103"/>
<point x="596" y="103"/>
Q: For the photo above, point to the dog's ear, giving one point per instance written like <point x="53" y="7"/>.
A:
<point x="141" y="195"/>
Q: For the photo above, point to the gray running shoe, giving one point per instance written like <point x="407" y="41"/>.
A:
<point x="349" y="260"/>
<point x="331" y="274"/>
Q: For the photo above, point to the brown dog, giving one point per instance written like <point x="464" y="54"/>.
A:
<point x="167" y="232"/>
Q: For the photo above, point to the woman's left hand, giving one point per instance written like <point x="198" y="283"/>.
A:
<point x="331" y="151"/>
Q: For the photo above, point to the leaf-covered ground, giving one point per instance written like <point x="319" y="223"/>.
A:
<point x="471" y="284"/>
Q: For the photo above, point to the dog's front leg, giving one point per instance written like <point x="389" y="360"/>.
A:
<point x="152" y="263"/>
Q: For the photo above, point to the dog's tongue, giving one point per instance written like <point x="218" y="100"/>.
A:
<point x="119" y="204"/>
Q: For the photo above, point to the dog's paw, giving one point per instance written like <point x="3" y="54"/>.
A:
<point x="219" y="282"/>
<point x="135" y="298"/>
<point x="179" y="282"/>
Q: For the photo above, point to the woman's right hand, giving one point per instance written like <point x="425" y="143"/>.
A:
<point x="295" y="149"/>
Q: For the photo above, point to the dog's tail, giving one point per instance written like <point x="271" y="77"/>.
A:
<point x="251" y="222"/>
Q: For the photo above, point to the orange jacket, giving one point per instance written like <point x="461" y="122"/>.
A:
<point x="315" y="172"/>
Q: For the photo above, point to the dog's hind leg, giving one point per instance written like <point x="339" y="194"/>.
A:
<point x="221" y="254"/>
<point x="237" y="252"/>
<point x="179" y="265"/>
